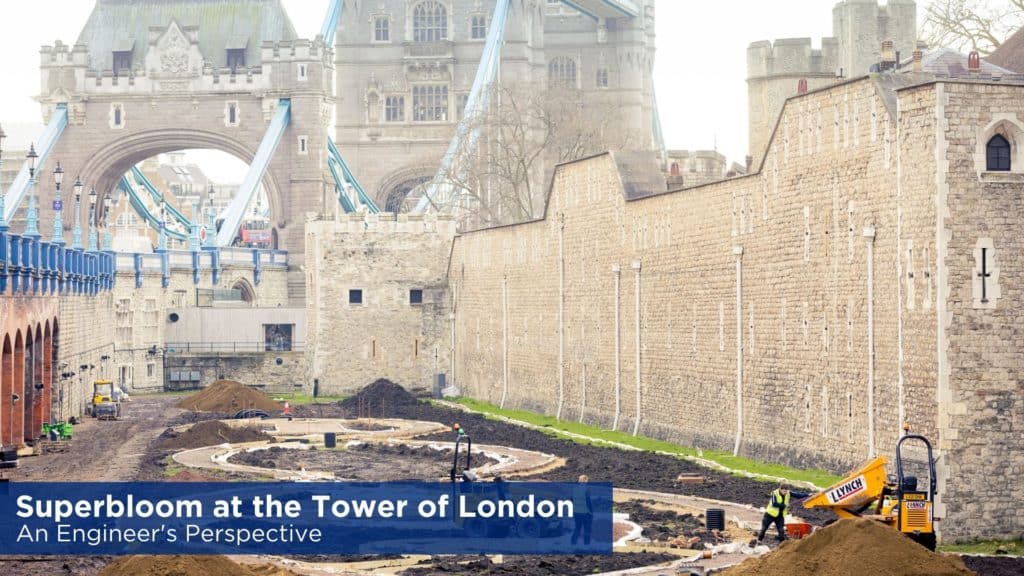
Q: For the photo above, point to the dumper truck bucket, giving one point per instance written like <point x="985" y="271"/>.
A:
<point x="862" y="486"/>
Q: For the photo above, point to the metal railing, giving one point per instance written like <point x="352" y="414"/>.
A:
<point x="31" y="266"/>
<point x="232" y="347"/>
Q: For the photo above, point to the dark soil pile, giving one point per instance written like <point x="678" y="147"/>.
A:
<point x="209" y="433"/>
<point x="663" y="525"/>
<point x="229" y="396"/>
<point x="366" y="462"/>
<point x="52" y="565"/>
<point x="175" y="566"/>
<point x="995" y="565"/>
<point x="539" y="565"/>
<point x="852" y="548"/>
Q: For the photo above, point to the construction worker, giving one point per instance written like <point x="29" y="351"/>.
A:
<point x="287" y="410"/>
<point x="775" y="512"/>
<point x="583" y="511"/>
<point x="459" y="431"/>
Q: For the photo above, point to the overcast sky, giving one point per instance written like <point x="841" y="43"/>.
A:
<point x="699" y="74"/>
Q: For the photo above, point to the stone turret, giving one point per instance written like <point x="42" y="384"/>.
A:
<point x="775" y="70"/>
<point x="862" y="25"/>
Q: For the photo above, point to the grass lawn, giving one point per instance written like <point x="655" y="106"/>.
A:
<point x="1014" y="547"/>
<point x="297" y="398"/>
<point x="739" y="464"/>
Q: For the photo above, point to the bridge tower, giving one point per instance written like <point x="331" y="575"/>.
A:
<point x="165" y="75"/>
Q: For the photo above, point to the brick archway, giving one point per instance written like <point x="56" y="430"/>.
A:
<point x="6" y="386"/>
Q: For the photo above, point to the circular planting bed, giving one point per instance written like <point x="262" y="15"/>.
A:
<point x="366" y="462"/>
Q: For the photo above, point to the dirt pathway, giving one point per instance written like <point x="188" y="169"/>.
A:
<point x="104" y="451"/>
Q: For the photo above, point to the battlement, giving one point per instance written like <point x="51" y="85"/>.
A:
<point x="300" y="61"/>
<point x="298" y="50"/>
<point x="385" y="223"/>
<point x="792" y="57"/>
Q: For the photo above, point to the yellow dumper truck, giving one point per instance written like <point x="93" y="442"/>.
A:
<point x="905" y="504"/>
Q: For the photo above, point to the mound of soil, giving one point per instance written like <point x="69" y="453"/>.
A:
<point x="209" y="433"/>
<point x="539" y="565"/>
<point x="663" y="525"/>
<point x="175" y="566"/>
<point x="229" y="396"/>
<point x="852" y="548"/>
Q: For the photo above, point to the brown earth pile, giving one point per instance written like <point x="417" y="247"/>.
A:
<point x="186" y="566"/>
<point x="209" y="433"/>
<point x="380" y="395"/>
<point x="229" y="396"/>
<point x="852" y="548"/>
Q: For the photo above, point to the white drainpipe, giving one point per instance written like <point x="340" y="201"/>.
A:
<point x="869" y="235"/>
<point x="504" y="340"/>
<point x="618" y="356"/>
<point x="583" y="402"/>
<point x="738" y="252"/>
<point x="561" y="317"/>
<point x="636" y="291"/>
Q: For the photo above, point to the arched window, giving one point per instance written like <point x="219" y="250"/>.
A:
<point x="562" y="72"/>
<point x="998" y="154"/>
<point x="429" y="22"/>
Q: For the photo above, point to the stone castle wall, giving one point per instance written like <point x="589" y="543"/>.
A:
<point x="802" y="322"/>
<point x="759" y="288"/>
<point x="385" y="336"/>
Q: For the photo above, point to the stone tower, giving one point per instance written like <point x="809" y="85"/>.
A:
<point x="862" y="25"/>
<point x="402" y="91"/>
<point x="775" y="70"/>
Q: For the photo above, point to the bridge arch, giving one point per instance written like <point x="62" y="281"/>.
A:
<point x="395" y="187"/>
<point x="106" y="166"/>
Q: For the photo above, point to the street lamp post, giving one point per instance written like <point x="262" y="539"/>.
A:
<point x="92" y="220"/>
<point x="76" y="236"/>
<point x="58" y="208"/>
<point x="211" y="225"/>
<point x="163" y="226"/>
<point x="32" y="223"/>
<point x="3" y="219"/>
<point x="193" y="229"/>
<point x="108" y="241"/>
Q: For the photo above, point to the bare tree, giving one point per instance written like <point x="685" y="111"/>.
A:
<point x="509" y="152"/>
<point x="980" y="25"/>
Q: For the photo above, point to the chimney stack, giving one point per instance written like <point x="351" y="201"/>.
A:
<point x="918" y="57"/>
<point x="888" y="56"/>
<point x="974" y="61"/>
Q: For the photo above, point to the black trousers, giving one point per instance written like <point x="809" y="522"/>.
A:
<point x="583" y="522"/>
<point x="780" y="525"/>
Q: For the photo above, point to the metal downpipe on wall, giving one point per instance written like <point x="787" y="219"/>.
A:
<point x="561" y="316"/>
<point x="504" y="340"/>
<point x="738" y="252"/>
<point x="869" y="235"/>
<point x="636" y="291"/>
<point x="618" y="353"/>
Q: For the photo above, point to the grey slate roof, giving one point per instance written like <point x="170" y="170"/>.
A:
<point x="115" y="23"/>
<point x="1011" y="53"/>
